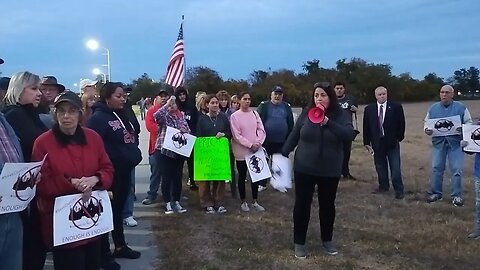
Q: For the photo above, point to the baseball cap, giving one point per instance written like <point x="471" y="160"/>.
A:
<point x="4" y="81"/>
<point x="162" y="92"/>
<point x="277" y="88"/>
<point x="70" y="97"/>
<point x="86" y="82"/>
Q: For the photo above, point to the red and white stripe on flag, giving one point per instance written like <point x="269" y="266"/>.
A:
<point x="176" y="65"/>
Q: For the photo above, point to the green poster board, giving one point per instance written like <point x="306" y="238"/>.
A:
<point x="211" y="159"/>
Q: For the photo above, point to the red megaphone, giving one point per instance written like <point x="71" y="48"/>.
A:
<point x="317" y="114"/>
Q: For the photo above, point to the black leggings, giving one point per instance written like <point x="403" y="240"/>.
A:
<point x="122" y="183"/>
<point x="304" y="189"/>
<point x="242" y="176"/>
<point x="86" y="257"/>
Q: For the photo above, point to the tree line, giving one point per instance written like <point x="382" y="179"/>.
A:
<point x="360" y="77"/>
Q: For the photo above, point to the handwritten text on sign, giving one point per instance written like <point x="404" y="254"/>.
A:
<point x="212" y="159"/>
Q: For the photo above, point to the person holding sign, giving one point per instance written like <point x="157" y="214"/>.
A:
<point x="214" y="123"/>
<point x="76" y="162"/>
<point x="446" y="146"/>
<point x="248" y="136"/>
<point x="111" y="122"/>
<point x="319" y="138"/>
<point x="170" y="162"/>
<point x="11" y="229"/>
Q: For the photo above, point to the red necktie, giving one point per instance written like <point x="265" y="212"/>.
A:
<point x="380" y="120"/>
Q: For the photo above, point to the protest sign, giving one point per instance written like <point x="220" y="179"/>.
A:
<point x="281" y="172"/>
<point x="444" y="126"/>
<point x="180" y="143"/>
<point x="257" y="165"/>
<point x="471" y="134"/>
<point x="18" y="185"/>
<point x="212" y="159"/>
<point x="75" y="220"/>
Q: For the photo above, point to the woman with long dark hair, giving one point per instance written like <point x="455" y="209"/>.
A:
<point x="318" y="162"/>
<point x="110" y="121"/>
<point x="248" y="136"/>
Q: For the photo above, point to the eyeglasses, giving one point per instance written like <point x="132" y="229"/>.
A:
<point x="70" y="111"/>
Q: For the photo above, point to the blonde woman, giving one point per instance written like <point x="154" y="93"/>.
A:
<point x="200" y="102"/>
<point x="88" y="99"/>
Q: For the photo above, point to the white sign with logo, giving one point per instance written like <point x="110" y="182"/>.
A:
<point x="75" y="220"/>
<point x="18" y="185"/>
<point x="180" y="143"/>
<point x="257" y="165"/>
<point x="471" y="134"/>
<point x="281" y="172"/>
<point x="445" y="126"/>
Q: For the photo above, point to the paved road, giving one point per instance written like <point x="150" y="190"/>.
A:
<point x="139" y="238"/>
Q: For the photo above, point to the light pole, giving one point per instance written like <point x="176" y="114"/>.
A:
<point x="93" y="45"/>
<point x="96" y="72"/>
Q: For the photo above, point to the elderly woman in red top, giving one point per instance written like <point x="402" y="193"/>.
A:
<point x="76" y="163"/>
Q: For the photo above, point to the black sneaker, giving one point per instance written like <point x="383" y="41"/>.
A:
<point x="127" y="253"/>
<point x="457" y="201"/>
<point x="399" y="195"/>
<point x="109" y="264"/>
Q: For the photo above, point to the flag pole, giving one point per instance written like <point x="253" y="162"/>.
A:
<point x="184" y="58"/>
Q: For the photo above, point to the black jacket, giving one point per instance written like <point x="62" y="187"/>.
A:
<point x="393" y="126"/>
<point x="320" y="148"/>
<point x="132" y="118"/>
<point x="26" y="123"/>
<point x="209" y="127"/>
<point x="120" y="140"/>
<point x="189" y="110"/>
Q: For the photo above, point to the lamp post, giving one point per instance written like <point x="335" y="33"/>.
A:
<point x="93" y="45"/>
<point x="96" y="72"/>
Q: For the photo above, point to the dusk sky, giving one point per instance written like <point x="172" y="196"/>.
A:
<point x="236" y="37"/>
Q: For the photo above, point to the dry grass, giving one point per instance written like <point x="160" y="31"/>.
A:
<point x="371" y="231"/>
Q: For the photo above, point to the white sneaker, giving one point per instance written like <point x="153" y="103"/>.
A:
<point x="244" y="207"/>
<point x="221" y="210"/>
<point x="258" y="207"/>
<point x="130" y="222"/>
<point x="210" y="210"/>
<point x="179" y="208"/>
<point x="261" y="188"/>
<point x="168" y="208"/>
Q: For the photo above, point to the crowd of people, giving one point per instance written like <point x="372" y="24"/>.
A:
<point x="91" y="143"/>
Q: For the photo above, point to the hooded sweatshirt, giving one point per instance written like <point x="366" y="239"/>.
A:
<point x="189" y="110"/>
<point x="118" y="135"/>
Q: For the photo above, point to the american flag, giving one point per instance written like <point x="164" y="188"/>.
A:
<point x="176" y="66"/>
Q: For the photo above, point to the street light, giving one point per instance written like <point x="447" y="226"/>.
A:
<point x="93" y="45"/>
<point x="96" y="72"/>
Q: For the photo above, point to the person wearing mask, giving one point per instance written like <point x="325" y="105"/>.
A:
<point x="111" y="122"/>
<point x="277" y="118"/>
<point x="153" y="154"/>
<point x="4" y="81"/>
<point x="76" y="162"/>
<point x="50" y="88"/>
<point x="87" y="102"/>
<point x="171" y="163"/>
<point x="383" y="130"/>
<point x="350" y="106"/>
<point x="128" y="219"/>
<point x="224" y="100"/>
<point x="248" y="136"/>
<point x="21" y="111"/>
<point x="11" y="228"/>
<point x="190" y="113"/>
<point x="213" y="124"/>
<point x="317" y="163"/>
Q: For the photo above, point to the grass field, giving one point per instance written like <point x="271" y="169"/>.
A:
<point x="371" y="231"/>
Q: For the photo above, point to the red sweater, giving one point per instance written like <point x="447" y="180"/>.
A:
<point x="62" y="163"/>
<point x="152" y="127"/>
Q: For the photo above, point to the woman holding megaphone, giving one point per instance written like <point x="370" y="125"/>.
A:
<point x="318" y="134"/>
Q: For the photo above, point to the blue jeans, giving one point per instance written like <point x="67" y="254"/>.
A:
<point x="128" y="208"/>
<point x="155" y="176"/>
<point x="477" y="203"/>
<point x="455" y="161"/>
<point x="11" y="239"/>
<point x="385" y="158"/>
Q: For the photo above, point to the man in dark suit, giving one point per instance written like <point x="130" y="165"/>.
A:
<point x="383" y="130"/>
